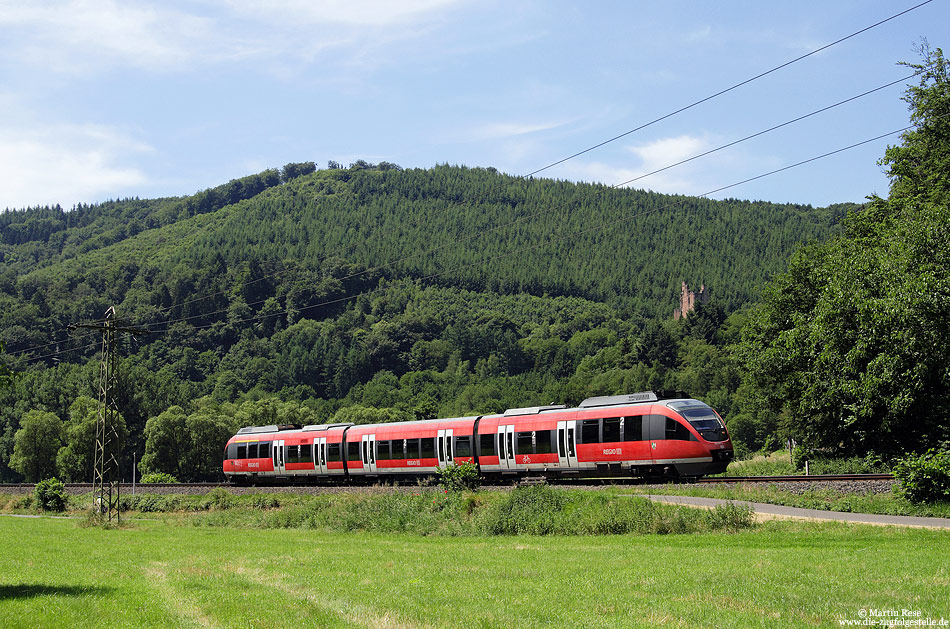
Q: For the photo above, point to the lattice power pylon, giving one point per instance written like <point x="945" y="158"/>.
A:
<point x="105" y="475"/>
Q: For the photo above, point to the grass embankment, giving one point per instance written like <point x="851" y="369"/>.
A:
<point x="780" y="464"/>
<point x="57" y="573"/>
<point x="538" y="510"/>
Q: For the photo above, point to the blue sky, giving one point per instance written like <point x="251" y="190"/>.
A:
<point x="109" y="99"/>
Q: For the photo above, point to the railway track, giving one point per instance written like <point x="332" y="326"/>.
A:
<point x="576" y="482"/>
<point x="717" y="479"/>
<point x="794" y="479"/>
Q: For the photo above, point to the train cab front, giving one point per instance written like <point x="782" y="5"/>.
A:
<point x="712" y="432"/>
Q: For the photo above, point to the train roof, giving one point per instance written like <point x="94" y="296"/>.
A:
<point x="603" y="401"/>
<point x="643" y="397"/>
<point x="254" y="430"/>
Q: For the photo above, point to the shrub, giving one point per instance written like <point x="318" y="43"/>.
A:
<point x="50" y="495"/>
<point x="822" y="462"/>
<point x="529" y="510"/>
<point x="150" y="503"/>
<point x="924" y="477"/>
<point x="870" y="464"/>
<point x="157" y="477"/>
<point x="730" y="517"/>
<point x="218" y="498"/>
<point x="264" y="501"/>
<point x="775" y="464"/>
<point x="459" y="477"/>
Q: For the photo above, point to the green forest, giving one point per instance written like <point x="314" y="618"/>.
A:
<point x="376" y="293"/>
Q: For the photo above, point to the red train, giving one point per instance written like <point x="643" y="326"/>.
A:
<point x="649" y="434"/>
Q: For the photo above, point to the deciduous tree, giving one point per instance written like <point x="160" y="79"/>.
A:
<point x="36" y="443"/>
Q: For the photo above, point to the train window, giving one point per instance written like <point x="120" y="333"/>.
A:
<point x="590" y="431"/>
<point x="399" y="448"/>
<point x="412" y="448"/>
<point x="633" y="428"/>
<point x="333" y="452"/>
<point x="486" y="445"/>
<point x="543" y="442"/>
<point x="293" y="454"/>
<point x="387" y="449"/>
<point x="242" y="451"/>
<point x="611" y="430"/>
<point x="306" y="453"/>
<point x="232" y="451"/>
<point x="463" y="446"/>
<point x="525" y="443"/>
<point x="263" y="449"/>
<point x="676" y="430"/>
<point x="703" y="419"/>
<point x="428" y="448"/>
<point x="252" y="450"/>
<point x="353" y="451"/>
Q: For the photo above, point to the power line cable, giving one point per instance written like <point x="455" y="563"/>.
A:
<point x="721" y="92"/>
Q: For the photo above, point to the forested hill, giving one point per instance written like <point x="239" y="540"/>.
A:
<point x="377" y="292"/>
<point x="467" y="227"/>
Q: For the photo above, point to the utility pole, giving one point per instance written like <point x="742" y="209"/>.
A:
<point x="105" y="475"/>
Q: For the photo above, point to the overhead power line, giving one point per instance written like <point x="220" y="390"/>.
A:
<point x="721" y="92"/>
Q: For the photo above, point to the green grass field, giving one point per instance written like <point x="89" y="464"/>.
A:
<point x="54" y="572"/>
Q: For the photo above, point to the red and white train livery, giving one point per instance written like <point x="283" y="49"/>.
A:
<point x="647" y="434"/>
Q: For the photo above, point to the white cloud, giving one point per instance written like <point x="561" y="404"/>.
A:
<point x="86" y="36"/>
<point x="694" y="177"/>
<point x="666" y="151"/>
<point x="505" y="130"/>
<point x="65" y="164"/>
<point x="652" y="156"/>
<point x="79" y="35"/>
<point x="374" y="13"/>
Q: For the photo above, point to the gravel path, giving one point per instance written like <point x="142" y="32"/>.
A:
<point x="770" y="510"/>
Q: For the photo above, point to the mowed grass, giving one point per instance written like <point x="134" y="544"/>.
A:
<point x="56" y="573"/>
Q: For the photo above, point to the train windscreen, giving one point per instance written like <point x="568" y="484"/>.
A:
<point x="703" y="419"/>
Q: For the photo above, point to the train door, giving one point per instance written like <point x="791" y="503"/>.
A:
<point x="657" y="434"/>
<point x="567" y="444"/>
<point x="320" y="455"/>
<point x="506" y="447"/>
<point x="369" y="453"/>
<point x="444" y="447"/>
<point x="278" y="456"/>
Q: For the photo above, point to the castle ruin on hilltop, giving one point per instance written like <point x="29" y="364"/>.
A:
<point x="689" y="299"/>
